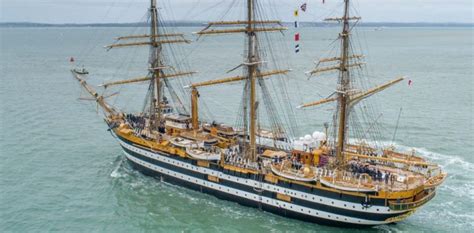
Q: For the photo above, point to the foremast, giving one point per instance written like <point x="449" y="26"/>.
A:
<point x="156" y="77"/>
<point x="156" y="66"/>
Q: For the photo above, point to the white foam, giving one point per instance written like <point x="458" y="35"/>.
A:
<point x="116" y="173"/>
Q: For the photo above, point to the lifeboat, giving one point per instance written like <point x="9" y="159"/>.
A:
<point x="222" y="130"/>
<point x="183" y="143"/>
<point x="435" y="181"/>
<point x="201" y="154"/>
<point x="347" y="185"/>
<point x="305" y="174"/>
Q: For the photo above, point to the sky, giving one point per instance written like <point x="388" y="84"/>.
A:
<point x="120" y="11"/>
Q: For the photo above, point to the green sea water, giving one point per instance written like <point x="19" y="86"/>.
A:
<point x="61" y="171"/>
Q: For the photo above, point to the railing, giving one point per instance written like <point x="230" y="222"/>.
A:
<point x="394" y="205"/>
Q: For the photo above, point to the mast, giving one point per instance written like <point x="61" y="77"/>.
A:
<point x="344" y="85"/>
<point x="194" y="109"/>
<point x="155" y="65"/>
<point x="251" y="70"/>
<point x="346" y="97"/>
<point x="155" y="76"/>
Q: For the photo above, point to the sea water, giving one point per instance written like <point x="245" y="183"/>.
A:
<point x="62" y="171"/>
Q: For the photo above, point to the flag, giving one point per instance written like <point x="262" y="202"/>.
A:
<point x="296" y="24"/>
<point x="297" y="37"/>
<point x="303" y="7"/>
<point x="297" y="48"/>
<point x="71" y="59"/>
<point x="296" y="13"/>
<point x="323" y="1"/>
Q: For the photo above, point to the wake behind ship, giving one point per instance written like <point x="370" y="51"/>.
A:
<point x="321" y="179"/>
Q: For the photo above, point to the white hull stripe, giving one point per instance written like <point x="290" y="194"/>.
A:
<point x="265" y="186"/>
<point x="254" y="197"/>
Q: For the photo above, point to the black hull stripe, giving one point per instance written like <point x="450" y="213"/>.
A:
<point x="356" y="200"/>
<point x="254" y="197"/>
<point x="338" y="200"/>
<point x="243" y="201"/>
<point x="297" y="201"/>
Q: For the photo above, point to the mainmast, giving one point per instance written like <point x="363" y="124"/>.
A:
<point x="155" y="66"/>
<point x="252" y="62"/>
<point x="250" y="26"/>
<point x="344" y="86"/>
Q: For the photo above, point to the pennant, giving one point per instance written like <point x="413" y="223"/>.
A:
<point x="296" y="24"/>
<point x="297" y="48"/>
<point x="296" y="13"/>
<point x="303" y="7"/>
<point x="297" y="37"/>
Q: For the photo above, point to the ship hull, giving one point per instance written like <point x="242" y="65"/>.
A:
<point x="255" y="192"/>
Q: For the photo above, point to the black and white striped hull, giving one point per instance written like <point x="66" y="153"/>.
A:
<point x="312" y="205"/>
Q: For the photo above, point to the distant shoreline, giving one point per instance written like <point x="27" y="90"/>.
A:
<point x="198" y="24"/>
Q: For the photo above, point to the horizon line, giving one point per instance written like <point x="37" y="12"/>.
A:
<point x="195" y="22"/>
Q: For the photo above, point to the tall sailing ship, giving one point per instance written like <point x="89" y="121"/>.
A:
<point x="331" y="180"/>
